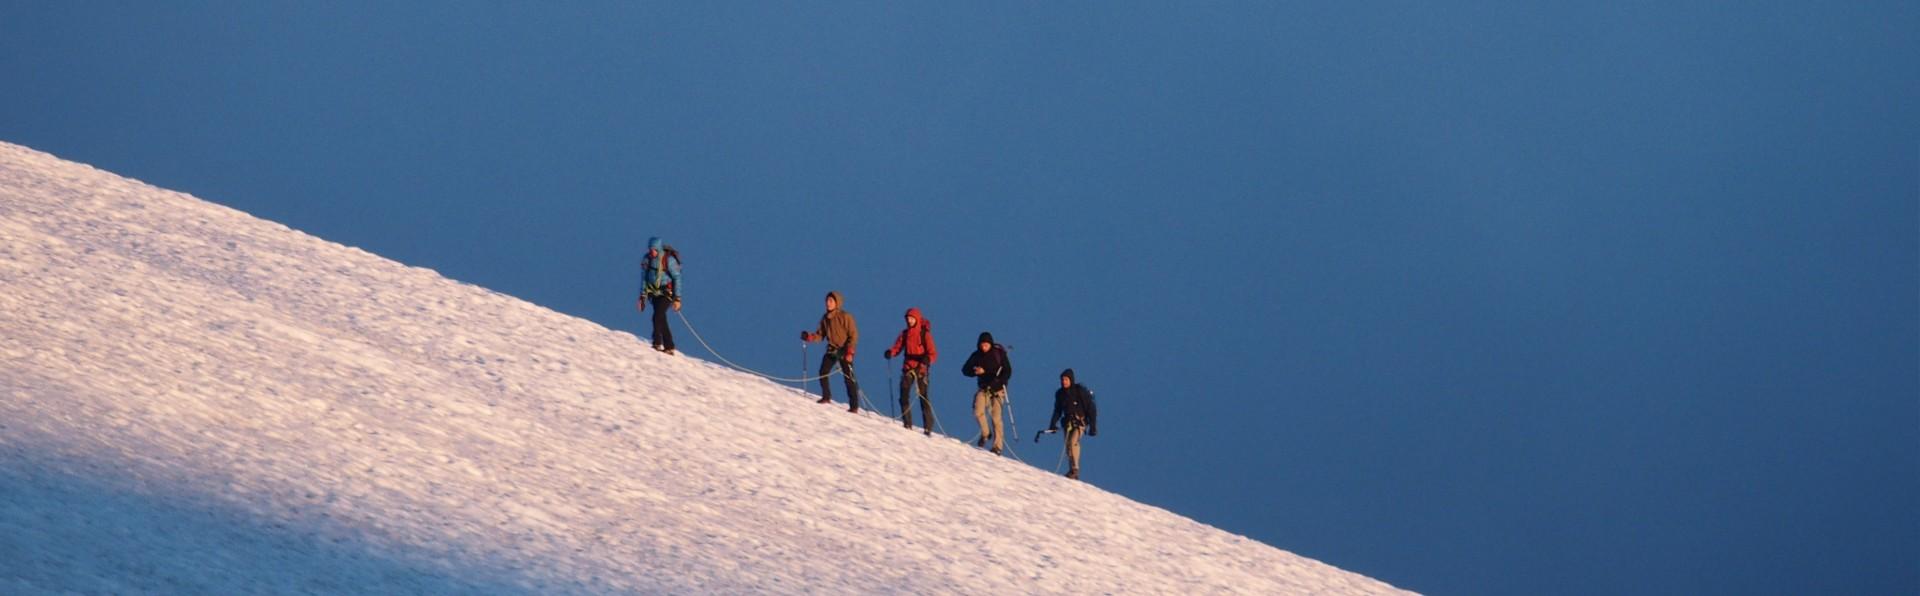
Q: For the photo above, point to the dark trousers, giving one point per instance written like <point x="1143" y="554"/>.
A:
<point x="662" y="334"/>
<point x="846" y="370"/>
<point x="907" y="380"/>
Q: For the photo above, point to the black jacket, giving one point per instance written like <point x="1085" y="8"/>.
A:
<point x="995" y="362"/>
<point x="1074" y="403"/>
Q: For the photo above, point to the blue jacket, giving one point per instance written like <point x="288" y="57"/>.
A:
<point x="656" y="280"/>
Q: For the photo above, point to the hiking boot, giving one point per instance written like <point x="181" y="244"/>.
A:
<point x="671" y="352"/>
<point x="980" y="442"/>
<point x="907" y="423"/>
<point x="853" y="410"/>
<point x="1073" y="473"/>
<point x="995" y="450"/>
<point x="929" y="433"/>
<point x="824" y="400"/>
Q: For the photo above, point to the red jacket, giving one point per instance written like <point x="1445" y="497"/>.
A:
<point x="916" y="343"/>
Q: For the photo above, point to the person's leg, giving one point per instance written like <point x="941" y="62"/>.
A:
<point x="980" y="415"/>
<point x="906" y="393"/>
<point x="998" y="402"/>
<point x="662" y="332"/>
<point x="853" y="386"/>
<point x="1073" y="449"/>
<point x="658" y="320"/>
<point x="826" y="368"/>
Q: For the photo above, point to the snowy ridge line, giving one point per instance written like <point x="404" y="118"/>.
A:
<point x="177" y="376"/>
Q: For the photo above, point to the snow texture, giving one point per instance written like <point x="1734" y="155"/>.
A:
<point x="194" y="400"/>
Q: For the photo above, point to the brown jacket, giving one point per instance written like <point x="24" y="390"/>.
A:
<point x="838" y="328"/>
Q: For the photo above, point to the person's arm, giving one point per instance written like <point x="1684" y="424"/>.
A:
<point x="1059" y="408"/>
<point x="927" y="334"/>
<point x="966" y="368"/>
<point x="640" y="304"/>
<point x="898" y="343"/>
<point x="673" y="273"/>
<point x="853" y="335"/>
<point x="1093" y="415"/>
<point x="818" y="332"/>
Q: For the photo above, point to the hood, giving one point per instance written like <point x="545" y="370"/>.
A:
<point x="838" y="300"/>
<point x="985" y="338"/>
<point x="1068" y="375"/>
<point x="654" y="244"/>
<point x="915" y="313"/>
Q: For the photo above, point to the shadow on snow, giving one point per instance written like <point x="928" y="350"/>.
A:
<point x="61" y="532"/>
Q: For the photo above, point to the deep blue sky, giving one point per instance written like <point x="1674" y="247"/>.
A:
<point x="1471" y="297"/>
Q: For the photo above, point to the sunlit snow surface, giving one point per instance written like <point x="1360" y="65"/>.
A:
<point x="193" y="400"/>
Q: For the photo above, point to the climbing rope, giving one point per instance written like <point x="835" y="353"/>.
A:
<point x="730" y="363"/>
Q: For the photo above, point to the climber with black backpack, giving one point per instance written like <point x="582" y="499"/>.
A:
<point x="990" y="368"/>
<point x="915" y="346"/>
<point x="660" y="284"/>
<point x="1073" y="404"/>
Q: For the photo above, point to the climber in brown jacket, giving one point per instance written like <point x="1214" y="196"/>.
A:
<point x="842" y="335"/>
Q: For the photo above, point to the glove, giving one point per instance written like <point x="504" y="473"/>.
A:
<point x="887" y="354"/>
<point x="1093" y="432"/>
<point x="847" y="357"/>
<point x="805" y="336"/>
<point x="640" y="304"/>
<point x="676" y="305"/>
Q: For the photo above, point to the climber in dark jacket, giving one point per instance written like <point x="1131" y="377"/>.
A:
<point x="991" y="369"/>
<point x="1073" y="403"/>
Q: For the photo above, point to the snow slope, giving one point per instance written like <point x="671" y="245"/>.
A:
<point x="194" y="400"/>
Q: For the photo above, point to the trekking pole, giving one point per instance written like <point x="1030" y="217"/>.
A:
<point x="889" y="387"/>
<point x="1013" y="422"/>
<point x="803" y="367"/>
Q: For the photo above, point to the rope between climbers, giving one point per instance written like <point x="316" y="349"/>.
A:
<point x="731" y="364"/>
